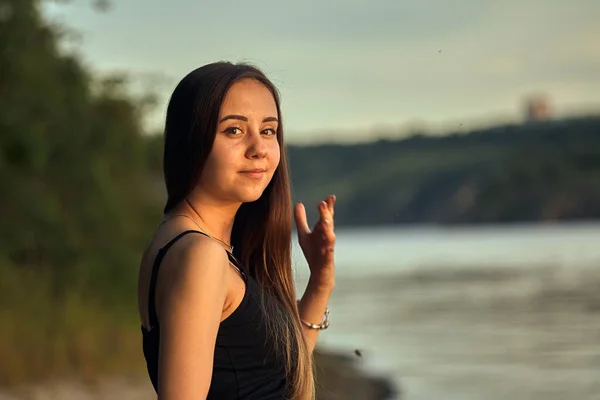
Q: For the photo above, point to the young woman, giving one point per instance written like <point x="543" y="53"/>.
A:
<point x="220" y="316"/>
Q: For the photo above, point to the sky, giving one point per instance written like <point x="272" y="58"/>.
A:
<point x="348" y="70"/>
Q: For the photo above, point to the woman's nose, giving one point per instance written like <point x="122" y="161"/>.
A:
<point x="256" y="147"/>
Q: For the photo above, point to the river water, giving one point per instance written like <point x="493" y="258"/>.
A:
<point x="488" y="312"/>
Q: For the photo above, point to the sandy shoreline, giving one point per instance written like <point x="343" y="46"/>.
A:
<point x="340" y="377"/>
<point x="108" y="389"/>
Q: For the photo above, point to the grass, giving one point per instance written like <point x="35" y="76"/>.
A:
<point x="45" y="336"/>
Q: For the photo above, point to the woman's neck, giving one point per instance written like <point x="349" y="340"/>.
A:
<point x="215" y="219"/>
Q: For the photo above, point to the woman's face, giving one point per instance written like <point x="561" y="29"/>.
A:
<point x="245" y="153"/>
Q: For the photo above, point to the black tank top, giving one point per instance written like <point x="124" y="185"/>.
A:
<point x="245" y="366"/>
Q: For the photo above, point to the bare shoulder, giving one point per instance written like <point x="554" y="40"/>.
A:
<point x="196" y="254"/>
<point x="195" y="270"/>
<point x="191" y="294"/>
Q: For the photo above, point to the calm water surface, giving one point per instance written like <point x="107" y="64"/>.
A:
<point x="472" y="313"/>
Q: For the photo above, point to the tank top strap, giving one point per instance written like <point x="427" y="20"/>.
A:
<point x="153" y="277"/>
<point x="152" y="315"/>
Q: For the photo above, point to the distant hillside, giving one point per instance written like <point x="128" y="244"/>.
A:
<point x="530" y="172"/>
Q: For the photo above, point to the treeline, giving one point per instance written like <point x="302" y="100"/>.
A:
<point x="76" y="202"/>
<point x="529" y="172"/>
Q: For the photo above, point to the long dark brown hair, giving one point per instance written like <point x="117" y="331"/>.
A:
<point x="262" y="230"/>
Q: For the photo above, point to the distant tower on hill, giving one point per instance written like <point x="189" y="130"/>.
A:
<point x="538" y="108"/>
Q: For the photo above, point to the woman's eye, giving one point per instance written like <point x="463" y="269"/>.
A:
<point x="270" y="131"/>
<point x="234" y="130"/>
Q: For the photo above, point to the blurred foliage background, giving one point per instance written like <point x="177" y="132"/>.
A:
<point x="77" y="204"/>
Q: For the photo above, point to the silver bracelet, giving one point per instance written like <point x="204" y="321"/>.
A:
<point x="322" y="326"/>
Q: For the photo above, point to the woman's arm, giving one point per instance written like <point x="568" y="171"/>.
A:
<point x="312" y="308"/>
<point x="318" y="246"/>
<point x="190" y="304"/>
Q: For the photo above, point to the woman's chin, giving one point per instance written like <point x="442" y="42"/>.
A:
<point x="250" y="196"/>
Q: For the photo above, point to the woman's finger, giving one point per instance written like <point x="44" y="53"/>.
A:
<point x="326" y="220"/>
<point x="301" y="221"/>
<point x="330" y="204"/>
